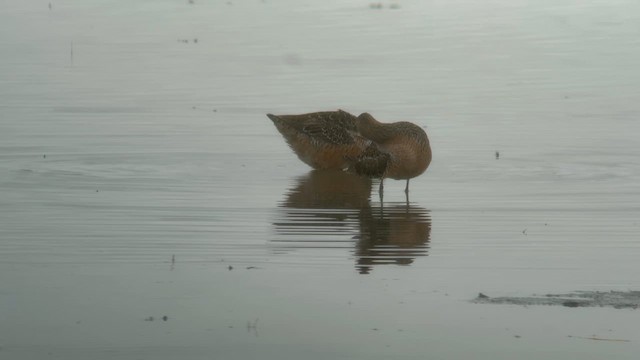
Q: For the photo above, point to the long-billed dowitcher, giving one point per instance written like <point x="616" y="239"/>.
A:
<point x="361" y="144"/>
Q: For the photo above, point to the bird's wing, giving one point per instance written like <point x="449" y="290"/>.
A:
<point x="332" y="127"/>
<point x="373" y="161"/>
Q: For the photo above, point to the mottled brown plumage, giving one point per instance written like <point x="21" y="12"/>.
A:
<point x="339" y="140"/>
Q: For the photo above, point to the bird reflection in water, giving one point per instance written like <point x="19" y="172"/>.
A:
<point x="332" y="209"/>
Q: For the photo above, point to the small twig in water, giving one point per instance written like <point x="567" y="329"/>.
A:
<point x="253" y="327"/>
<point x="598" y="339"/>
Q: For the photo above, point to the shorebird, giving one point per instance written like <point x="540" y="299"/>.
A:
<point x="360" y="144"/>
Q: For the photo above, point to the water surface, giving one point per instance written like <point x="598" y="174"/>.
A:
<point x="140" y="178"/>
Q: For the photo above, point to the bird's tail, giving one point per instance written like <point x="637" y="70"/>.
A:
<point x="274" y="118"/>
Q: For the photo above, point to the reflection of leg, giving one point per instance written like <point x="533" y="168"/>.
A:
<point x="381" y="190"/>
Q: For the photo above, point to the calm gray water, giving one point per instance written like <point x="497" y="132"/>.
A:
<point x="140" y="178"/>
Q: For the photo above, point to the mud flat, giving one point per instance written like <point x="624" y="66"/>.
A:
<point x="615" y="299"/>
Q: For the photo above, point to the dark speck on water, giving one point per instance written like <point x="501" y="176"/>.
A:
<point x="571" y="303"/>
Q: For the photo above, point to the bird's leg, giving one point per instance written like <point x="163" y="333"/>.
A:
<point x="381" y="190"/>
<point x="406" y="193"/>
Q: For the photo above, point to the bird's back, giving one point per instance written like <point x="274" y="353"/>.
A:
<point x="331" y="127"/>
<point x="323" y="140"/>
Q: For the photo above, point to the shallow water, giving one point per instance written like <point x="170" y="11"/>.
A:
<point x="140" y="178"/>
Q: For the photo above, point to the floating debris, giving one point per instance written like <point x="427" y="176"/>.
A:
<point x="614" y="299"/>
<point x="379" y="5"/>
